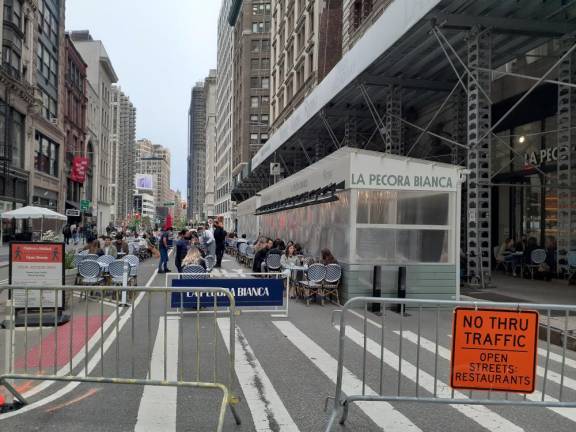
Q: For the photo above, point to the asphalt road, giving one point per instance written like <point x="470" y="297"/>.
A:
<point x="285" y="370"/>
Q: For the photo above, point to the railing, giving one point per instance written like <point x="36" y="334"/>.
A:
<point x="112" y="338"/>
<point x="388" y="342"/>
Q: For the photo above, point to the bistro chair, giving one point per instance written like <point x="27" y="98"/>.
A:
<point x="105" y="261"/>
<point x="273" y="263"/>
<point x="312" y="283"/>
<point x="250" y="254"/>
<point x="331" y="282"/>
<point x="116" y="270"/>
<point x="91" y="257"/>
<point x="537" y="258"/>
<point x="194" y="272"/>
<point x="90" y="273"/>
<point x="242" y="253"/>
<point x="134" y="262"/>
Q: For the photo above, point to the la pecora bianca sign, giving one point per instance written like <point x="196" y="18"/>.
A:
<point x="403" y="181"/>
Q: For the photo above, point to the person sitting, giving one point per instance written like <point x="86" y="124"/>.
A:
<point x="109" y="248"/>
<point x="93" y="248"/>
<point x="327" y="257"/>
<point x="121" y="245"/>
<point x="288" y="260"/>
<point x="193" y="257"/>
<point x="262" y="248"/>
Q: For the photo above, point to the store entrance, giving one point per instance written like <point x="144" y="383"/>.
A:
<point x="526" y="208"/>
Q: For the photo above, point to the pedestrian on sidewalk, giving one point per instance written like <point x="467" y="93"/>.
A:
<point x="220" y="239"/>
<point x="67" y="234"/>
<point x="163" y="263"/>
<point x="207" y="239"/>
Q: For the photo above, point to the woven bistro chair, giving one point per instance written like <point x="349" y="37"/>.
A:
<point x="273" y="263"/>
<point x="194" y="272"/>
<point x="134" y="262"/>
<point x="116" y="270"/>
<point x="537" y="258"/>
<point x="250" y="254"/>
<point x="312" y="283"/>
<point x="242" y="253"/>
<point x="210" y="261"/>
<point x="331" y="282"/>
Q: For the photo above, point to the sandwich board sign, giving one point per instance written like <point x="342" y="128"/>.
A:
<point x="494" y="349"/>
<point x="33" y="265"/>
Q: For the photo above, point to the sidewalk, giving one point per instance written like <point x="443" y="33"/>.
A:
<point x="506" y="288"/>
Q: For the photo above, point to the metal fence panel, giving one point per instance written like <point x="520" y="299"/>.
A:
<point x="410" y="382"/>
<point x="92" y="301"/>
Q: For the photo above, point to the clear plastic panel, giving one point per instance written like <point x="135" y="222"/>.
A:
<point x="315" y="227"/>
<point x="402" y="246"/>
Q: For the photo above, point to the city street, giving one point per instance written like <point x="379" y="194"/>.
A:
<point x="285" y="369"/>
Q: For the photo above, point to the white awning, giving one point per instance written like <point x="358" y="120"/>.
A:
<point x="31" y="212"/>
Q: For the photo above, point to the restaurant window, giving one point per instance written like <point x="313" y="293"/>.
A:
<point x="46" y="155"/>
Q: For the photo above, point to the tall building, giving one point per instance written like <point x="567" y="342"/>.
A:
<point x="358" y="16"/>
<point x="76" y="102"/>
<point x="101" y="76"/>
<point x="196" y="153"/>
<point x="251" y="84"/>
<point x="48" y="176"/>
<point x="224" y="130"/>
<point x="210" y="92"/>
<point x="154" y="159"/>
<point x="17" y="76"/>
<point x="179" y="212"/>
<point x="306" y="44"/>
<point x="123" y="141"/>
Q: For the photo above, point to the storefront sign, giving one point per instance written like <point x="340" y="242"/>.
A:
<point x="72" y="212"/>
<point x="33" y="265"/>
<point x="494" y="349"/>
<point x="402" y="181"/>
<point x="542" y="157"/>
<point x="246" y="292"/>
<point x="79" y="168"/>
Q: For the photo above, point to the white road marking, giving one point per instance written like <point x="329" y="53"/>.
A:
<point x="158" y="406"/>
<point x="480" y="414"/>
<point x="264" y="403"/>
<point x="92" y="363"/>
<point x="569" y="413"/>
<point x="383" y="414"/>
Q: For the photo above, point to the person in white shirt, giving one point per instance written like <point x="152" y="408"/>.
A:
<point x="208" y="240"/>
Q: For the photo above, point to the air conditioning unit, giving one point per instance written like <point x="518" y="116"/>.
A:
<point x="54" y="120"/>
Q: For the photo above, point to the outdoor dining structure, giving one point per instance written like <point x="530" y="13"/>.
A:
<point x="376" y="212"/>
<point x="33" y="213"/>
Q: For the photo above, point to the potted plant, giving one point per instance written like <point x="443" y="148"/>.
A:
<point x="70" y="268"/>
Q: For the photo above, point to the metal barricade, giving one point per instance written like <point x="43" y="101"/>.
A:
<point x="392" y="347"/>
<point x="108" y="348"/>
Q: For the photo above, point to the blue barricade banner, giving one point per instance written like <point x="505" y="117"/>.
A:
<point x="246" y="292"/>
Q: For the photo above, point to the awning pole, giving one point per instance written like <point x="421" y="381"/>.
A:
<point x="41" y="228"/>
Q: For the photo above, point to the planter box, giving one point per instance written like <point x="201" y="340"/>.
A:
<point x="70" y="278"/>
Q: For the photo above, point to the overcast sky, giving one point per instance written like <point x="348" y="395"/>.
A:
<point x="159" y="49"/>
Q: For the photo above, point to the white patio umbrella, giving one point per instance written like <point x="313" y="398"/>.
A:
<point x="30" y="212"/>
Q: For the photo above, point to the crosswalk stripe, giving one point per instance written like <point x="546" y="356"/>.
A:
<point x="383" y="414"/>
<point x="480" y="414"/>
<point x="268" y="411"/>
<point x="569" y="413"/>
<point x="158" y="405"/>
<point x="445" y="353"/>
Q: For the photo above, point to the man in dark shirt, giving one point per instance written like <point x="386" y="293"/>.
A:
<point x="181" y="249"/>
<point x="163" y="264"/>
<point x="220" y="238"/>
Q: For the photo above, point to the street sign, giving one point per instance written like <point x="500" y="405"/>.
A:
<point x="494" y="349"/>
<point x="85" y="205"/>
<point x="169" y="204"/>
<point x="37" y="264"/>
<point x="246" y="292"/>
<point x="72" y="212"/>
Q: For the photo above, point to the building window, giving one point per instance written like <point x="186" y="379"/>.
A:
<point x="254" y="82"/>
<point x="254" y="118"/>
<point x="255" y="46"/>
<point x="46" y="155"/>
<point x="266" y="63"/>
<point x="254" y="138"/>
<point x="265" y="83"/>
<point x="265" y="100"/>
<point x="255" y="64"/>
<point x="265" y="119"/>
<point x="263" y="138"/>
<point x="254" y="102"/>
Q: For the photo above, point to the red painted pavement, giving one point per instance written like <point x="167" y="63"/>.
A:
<point x="48" y="344"/>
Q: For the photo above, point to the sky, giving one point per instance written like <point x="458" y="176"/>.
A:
<point x="159" y="50"/>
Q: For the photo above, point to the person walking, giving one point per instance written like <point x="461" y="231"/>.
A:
<point x="208" y="240"/>
<point x="220" y="239"/>
<point x="182" y="246"/>
<point x="67" y="234"/>
<point x="163" y="263"/>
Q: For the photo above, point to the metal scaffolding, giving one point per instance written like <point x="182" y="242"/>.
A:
<point x="394" y="142"/>
<point x="479" y="156"/>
